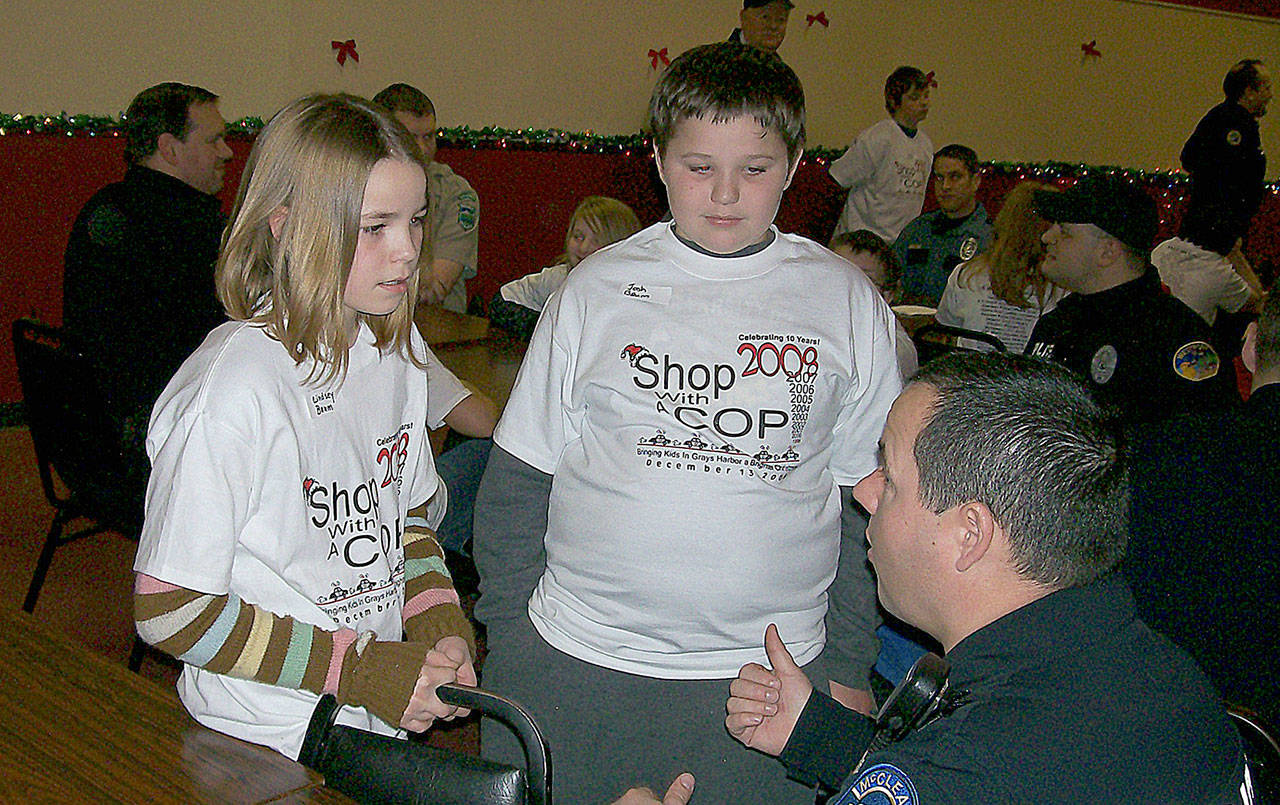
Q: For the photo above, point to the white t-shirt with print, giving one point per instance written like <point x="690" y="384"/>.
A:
<point x="972" y="305"/>
<point x="887" y="174"/>
<point x="289" y="496"/>
<point x="698" y="414"/>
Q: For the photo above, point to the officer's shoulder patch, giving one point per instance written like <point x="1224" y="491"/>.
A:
<point x="882" y="784"/>
<point x="467" y="206"/>
<point x="106" y="226"/>
<point x="1233" y="137"/>
<point x="1196" y="360"/>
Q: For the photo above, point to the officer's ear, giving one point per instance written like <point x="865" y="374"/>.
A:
<point x="1249" y="351"/>
<point x="975" y="532"/>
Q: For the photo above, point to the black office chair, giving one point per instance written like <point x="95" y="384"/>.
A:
<point x="1261" y="752"/>
<point x="933" y="340"/>
<point x="374" y="768"/>
<point x="76" y="437"/>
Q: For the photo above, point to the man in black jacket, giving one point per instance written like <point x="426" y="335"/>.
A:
<point x="138" y="290"/>
<point x="1205" y="265"/>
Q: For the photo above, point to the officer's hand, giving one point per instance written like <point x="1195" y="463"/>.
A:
<point x="764" y="705"/>
<point x="677" y="794"/>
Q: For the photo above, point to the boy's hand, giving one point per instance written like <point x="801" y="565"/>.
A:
<point x="677" y="794"/>
<point x="448" y="661"/>
<point x="764" y="705"/>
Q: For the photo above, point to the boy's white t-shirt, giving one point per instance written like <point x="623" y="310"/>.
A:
<point x="533" y="290"/>
<point x="698" y="415"/>
<point x="887" y="174"/>
<point x="289" y="496"/>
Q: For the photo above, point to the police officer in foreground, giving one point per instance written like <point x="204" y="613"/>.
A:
<point x="1141" y="349"/>
<point x="998" y="516"/>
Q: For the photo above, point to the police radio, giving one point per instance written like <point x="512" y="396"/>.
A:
<point x="923" y="695"/>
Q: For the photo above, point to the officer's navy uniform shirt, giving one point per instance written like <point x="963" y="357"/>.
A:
<point x="1141" y="350"/>
<point x="1204" y="545"/>
<point x="1227" y="165"/>
<point x="931" y="246"/>
<point x="1071" y="699"/>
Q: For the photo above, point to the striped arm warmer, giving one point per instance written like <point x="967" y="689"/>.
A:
<point x="431" y="608"/>
<point x="226" y="635"/>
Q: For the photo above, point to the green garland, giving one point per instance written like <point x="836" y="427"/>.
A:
<point x="530" y="139"/>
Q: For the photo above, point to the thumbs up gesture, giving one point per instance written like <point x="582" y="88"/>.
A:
<point x="765" y="704"/>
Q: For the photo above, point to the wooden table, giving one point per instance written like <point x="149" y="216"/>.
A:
<point x="75" y="727"/>
<point x="440" y="326"/>
<point x="485" y="358"/>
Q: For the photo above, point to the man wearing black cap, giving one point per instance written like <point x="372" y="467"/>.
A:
<point x="1144" y="351"/>
<point x="764" y="23"/>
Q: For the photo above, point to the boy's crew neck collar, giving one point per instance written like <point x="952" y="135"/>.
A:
<point x="907" y="130"/>
<point x="755" y="248"/>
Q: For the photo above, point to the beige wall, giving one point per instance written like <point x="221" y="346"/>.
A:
<point x="1012" y="81"/>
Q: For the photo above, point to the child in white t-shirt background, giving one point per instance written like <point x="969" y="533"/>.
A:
<point x="598" y="221"/>
<point x="288" y="449"/>
<point x="878" y="261"/>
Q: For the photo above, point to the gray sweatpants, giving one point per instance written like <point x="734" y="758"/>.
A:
<point x="610" y="731"/>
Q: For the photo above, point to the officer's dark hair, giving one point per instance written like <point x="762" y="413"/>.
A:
<point x="405" y="98"/>
<point x="162" y="109"/>
<point x="727" y="80"/>
<point x="1026" y="437"/>
<point x="899" y="83"/>
<point x="1242" y="76"/>
<point x="960" y="153"/>
<point x="1268" y="341"/>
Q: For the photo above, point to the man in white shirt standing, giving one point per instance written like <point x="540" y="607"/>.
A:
<point x="886" y="168"/>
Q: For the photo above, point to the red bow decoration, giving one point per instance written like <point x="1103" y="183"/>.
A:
<point x="1091" y="48"/>
<point x="345" y="49"/>
<point x="658" y="55"/>
<point x="928" y="79"/>
<point x="820" y="18"/>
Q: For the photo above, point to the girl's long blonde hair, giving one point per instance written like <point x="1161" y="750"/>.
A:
<point x="1014" y="257"/>
<point x="608" y="219"/>
<point x="310" y="165"/>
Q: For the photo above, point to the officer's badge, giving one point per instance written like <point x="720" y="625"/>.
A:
<point x="968" y="248"/>
<point x="467" y="206"/>
<point x="1103" y="364"/>
<point x="1233" y="137"/>
<point x="882" y="784"/>
<point x="1196" y="361"/>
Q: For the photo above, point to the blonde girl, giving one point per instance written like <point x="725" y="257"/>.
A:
<point x="288" y="449"/>
<point x="598" y="221"/>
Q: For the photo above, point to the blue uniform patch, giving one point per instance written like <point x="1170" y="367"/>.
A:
<point x="1196" y="361"/>
<point x="467" y="205"/>
<point x="882" y="784"/>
